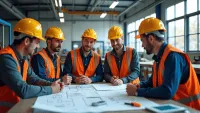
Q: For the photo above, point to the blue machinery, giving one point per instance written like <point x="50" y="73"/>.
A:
<point x="4" y="23"/>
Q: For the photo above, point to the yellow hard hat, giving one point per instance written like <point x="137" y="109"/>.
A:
<point x="30" y="27"/>
<point x="54" y="32"/>
<point x="115" y="32"/>
<point x="90" y="33"/>
<point x="149" y="25"/>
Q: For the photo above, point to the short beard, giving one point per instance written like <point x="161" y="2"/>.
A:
<point x="86" y="50"/>
<point x="150" y="49"/>
<point x="56" y="49"/>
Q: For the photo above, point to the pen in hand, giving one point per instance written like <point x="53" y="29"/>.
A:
<point x="136" y="104"/>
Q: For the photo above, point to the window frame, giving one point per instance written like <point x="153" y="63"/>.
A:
<point x="186" y="26"/>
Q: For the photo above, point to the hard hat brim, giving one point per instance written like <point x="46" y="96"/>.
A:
<point x="89" y="37"/>
<point x="115" y="37"/>
<point x="41" y="38"/>
<point x="137" y="36"/>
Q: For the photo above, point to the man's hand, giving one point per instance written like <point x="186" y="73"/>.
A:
<point x="131" y="89"/>
<point x="83" y="80"/>
<point x="56" y="87"/>
<point x="137" y="85"/>
<point x="78" y="80"/>
<point x="67" y="79"/>
<point x="117" y="82"/>
<point x="62" y="85"/>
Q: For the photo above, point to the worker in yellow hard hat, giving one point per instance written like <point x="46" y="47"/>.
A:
<point x="173" y="75"/>
<point x="17" y="80"/>
<point x="83" y="64"/>
<point x="46" y="63"/>
<point x="122" y="63"/>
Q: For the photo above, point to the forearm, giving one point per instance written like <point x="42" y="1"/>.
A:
<point x="36" y="80"/>
<point x="107" y="71"/>
<point x="132" y="76"/>
<point x="107" y="77"/>
<point x="29" y="91"/>
<point x="147" y="83"/>
<point x="159" y="93"/>
<point x="13" y="79"/>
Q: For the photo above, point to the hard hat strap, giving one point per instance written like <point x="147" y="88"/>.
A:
<point x="22" y="36"/>
<point x="157" y="33"/>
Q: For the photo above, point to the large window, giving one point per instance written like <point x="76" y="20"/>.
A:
<point x="176" y="27"/>
<point x="133" y="31"/>
<point x="183" y="25"/>
<point x="176" y="33"/>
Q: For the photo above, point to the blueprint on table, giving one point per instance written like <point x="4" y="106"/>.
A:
<point x="78" y="98"/>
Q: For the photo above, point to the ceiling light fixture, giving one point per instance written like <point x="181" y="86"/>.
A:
<point x="113" y="5"/>
<point x="103" y="15"/>
<point x="60" y="3"/>
<point x="61" y="14"/>
<point x="56" y="3"/>
<point x="62" y="20"/>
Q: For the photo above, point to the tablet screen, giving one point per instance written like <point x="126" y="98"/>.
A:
<point x="166" y="108"/>
<point x="163" y="108"/>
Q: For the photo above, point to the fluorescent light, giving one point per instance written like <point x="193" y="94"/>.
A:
<point x="56" y="3"/>
<point x="113" y="5"/>
<point x="60" y="3"/>
<point x="62" y="20"/>
<point x="61" y="14"/>
<point x="103" y="15"/>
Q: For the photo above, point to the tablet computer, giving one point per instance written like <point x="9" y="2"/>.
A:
<point x="166" y="108"/>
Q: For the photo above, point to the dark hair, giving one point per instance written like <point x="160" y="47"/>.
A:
<point x="48" y="38"/>
<point x="159" y="39"/>
<point x="19" y="41"/>
<point x="87" y="37"/>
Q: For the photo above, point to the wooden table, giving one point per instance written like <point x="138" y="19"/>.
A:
<point x="24" y="106"/>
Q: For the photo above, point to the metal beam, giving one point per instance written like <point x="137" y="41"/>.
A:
<point x="7" y="5"/>
<point x="154" y="4"/>
<point x="88" y="13"/>
<point x="96" y="2"/>
<point x="87" y="8"/>
<point x="70" y="20"/>
<point x="130" y="7"/>
<point x="54" y="9"/>
<point x="122" y="0"/>
<point x="35" y="5"/>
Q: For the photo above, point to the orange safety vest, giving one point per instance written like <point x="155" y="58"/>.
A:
<point x="49" y="67"/>
<point x="188" y="93"/>
<point x="78" y="66"/>
<point x="8" y="98"/>
<point x="125" y="69"/>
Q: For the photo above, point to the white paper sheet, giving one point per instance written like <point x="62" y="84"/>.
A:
<point x="75" y="99"/>
<point x="108" y="87"/>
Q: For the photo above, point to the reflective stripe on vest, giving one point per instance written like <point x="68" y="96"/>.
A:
<point x="75" y="57"/>
<point x="128" y="59"/>
<point x="189" y="99"/>
<point x="96" y="60"/>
